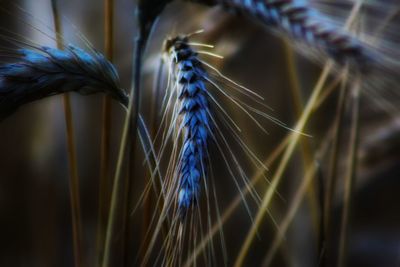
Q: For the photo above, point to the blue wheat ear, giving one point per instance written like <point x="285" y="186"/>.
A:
<point x="45" y="71"/>
<point x="197" y="123"/>
<point x="298" y="20"/>
<point x="194" y="121"/>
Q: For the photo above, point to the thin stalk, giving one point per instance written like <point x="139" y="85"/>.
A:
<point x="329" y="90"/>
<point x="350" y="177"/>
<point x="306" y="151"/>
<point x="283" y="227"/>
<point x="331" y="181"/>
<point x="333" y="165"/>
<point x="129" y="129"/>
<point x="73" y="183"/>
<point x="311" y="171"/>
<point x="128" y="201"/>
<point x="105" y="138"/>
<point x="149" y="196"/>
<point x="126" y="207"/>
<point x="289" y="151"/>
<point x="72" y="157"/>
<point x="282" y="165"/>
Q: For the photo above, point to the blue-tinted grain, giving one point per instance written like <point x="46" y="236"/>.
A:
<point x="299" y="21"/>
<point x="194" y="121"/>
<point x="48" y="71"/>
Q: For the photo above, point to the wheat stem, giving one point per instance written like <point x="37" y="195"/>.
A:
<point x="149" y="197"/>
<point x="331" y="181"/>
<point x="289" y="151"/>
<point x="133" y="115"/>
<point x="306" y="151"/>
<point x="72" y="157"/>
<point x="282" y="165"/>
<point x="335" y="154"/>
<point x="147" y="13"/>
<point x="350" y="177"/>
<point x="105" y="138"/>
<point x="297" y="200"/>
<point x="73" y="182"/>
<point x="129" y="124"/>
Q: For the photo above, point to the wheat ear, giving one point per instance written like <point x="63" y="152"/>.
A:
<point x="299" y="21"/>
<point x="189" y="129"/>
<point x="193" y="122"/>
<point x="46" y="71"/>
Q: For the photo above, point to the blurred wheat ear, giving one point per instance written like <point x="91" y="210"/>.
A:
<point x="316" y="35"/>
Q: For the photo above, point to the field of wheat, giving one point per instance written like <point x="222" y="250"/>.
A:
<point x="199" y="133"/>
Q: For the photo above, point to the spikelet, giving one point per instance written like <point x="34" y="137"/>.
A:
<point x="193" y="121"/>
<point x="46" y="71"/>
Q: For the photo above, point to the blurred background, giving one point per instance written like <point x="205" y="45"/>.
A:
<point x="35" y="217"/>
